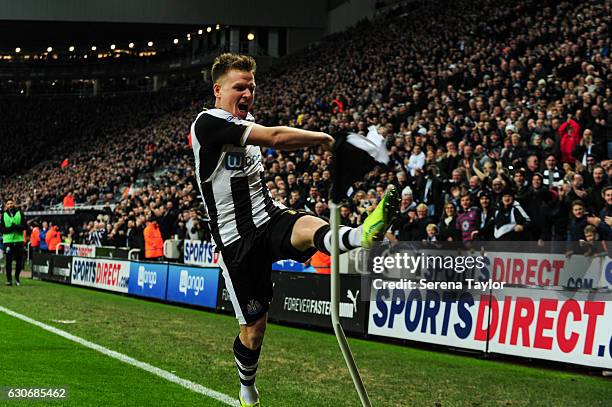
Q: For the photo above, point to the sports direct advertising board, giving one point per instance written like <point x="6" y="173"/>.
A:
<point x="200" y="253"/>
<point x="539" y="305"/>
<point x="106" y="274"/>
<point x="535" y="269"/>
<point x="448" y="318"/>
<point x="565" y="326"/>
<point x="80" y="250"/>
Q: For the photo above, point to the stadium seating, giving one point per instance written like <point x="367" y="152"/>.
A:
<point x="480" y="89"/>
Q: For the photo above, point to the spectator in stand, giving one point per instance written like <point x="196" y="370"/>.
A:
<point x="511" y="221"/>
<point x="447" y="228"/>
<point x="569" y="132"/>
<point x="413" y="227"/>
<point x="321" y="210"/>
<point x="577" y="191"/>
<point x="587" y="147"/>
<point x="552" y="175"/>
<point x="578" y="222"/>
<point x="514" y="82"/>
<point x="97" y="235"/>
<point x="12" y="226"/>
<point x="429" y="190"/>
<point x="538" y="207"/>
<point x="346" y="217"/>
<point x="468" y="219"/>
<point x="595" y="192"/>
<point x="53" y="238"/>
<point x="168" y="220"/>
<point x="407" y="202"/>
<point x="487" y="217"/>
<point x="42" y="235"/>
<point x="603" y="223"/>
<point x="70" y="237"/>
<point x="432" y="233"/>
<point x="34" y="238"/>
<point x="153" y="242"/>
<point x="69" y="200"/>
<point x="199" y="229"/>
<point x="416" y="162"/>
<point x="135" y="236"/>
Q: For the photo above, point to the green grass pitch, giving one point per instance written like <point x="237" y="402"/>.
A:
<point x="297" y="368"/>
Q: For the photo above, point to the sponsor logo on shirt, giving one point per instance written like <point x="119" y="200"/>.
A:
<point x="235" y="161"/>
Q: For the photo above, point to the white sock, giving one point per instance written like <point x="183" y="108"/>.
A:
<point x="349" y="238"/>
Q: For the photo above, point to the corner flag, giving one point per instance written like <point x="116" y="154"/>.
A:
<point x="354" y="156"/>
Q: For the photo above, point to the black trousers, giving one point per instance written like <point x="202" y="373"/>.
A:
<point x="13" y="251"/>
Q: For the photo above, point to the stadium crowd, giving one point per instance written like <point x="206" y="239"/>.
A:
<point x="497" y="120"/>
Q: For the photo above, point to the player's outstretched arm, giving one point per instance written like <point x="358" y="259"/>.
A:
<point x="287" y="138"/>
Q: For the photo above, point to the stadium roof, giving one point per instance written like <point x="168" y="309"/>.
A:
<point x="36" y="35"/>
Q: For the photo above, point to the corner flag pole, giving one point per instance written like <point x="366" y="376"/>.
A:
<point x="335" y="307"/>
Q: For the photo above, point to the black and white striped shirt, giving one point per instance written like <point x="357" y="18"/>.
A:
<point x="230" y="175"/>
<point x="551" y="177"/>
<point x="97" y="237"/>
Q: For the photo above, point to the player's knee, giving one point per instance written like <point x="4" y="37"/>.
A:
<point x="303" y="231"/>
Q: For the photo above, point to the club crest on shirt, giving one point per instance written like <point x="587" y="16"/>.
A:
<point x="253" y="307"/>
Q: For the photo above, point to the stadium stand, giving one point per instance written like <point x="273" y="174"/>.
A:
<point x="475" y="101"/>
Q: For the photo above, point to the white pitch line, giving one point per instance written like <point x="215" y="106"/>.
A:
<point x="164" y="374"/>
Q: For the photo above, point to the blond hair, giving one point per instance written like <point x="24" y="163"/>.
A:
<point x="228" y="61"/>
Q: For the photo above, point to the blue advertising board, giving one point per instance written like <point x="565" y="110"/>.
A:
<point x="193" y="285"/>
<point x="292" y="265"/>
<point x="148" y="280"/>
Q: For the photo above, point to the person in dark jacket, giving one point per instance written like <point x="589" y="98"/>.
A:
<point x="559" y="213"/>
<point x="429" y="190"/>
<point x="487" y="217"/>
<point x="587" y="147"/>
<point x="511" y="220"/>
<point x="168" y="220"/>
<point x="415" y="229"/>
<point x="12" y="226"/>
<point x="135" y="236"/>
<point x="603" y="223"/>
<point x="42" y="234"/>
<point x="595" y="190"/>
<point x="537" y="206"/>
<point x="578" y="222"/>
<point x="448" y="225"/>
<point x="521" y="187"/>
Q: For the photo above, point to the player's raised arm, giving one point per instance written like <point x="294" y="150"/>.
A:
<point x="287" y="138"/>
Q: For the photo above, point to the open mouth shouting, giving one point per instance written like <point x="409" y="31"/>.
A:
<point x="243" y="109"/>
